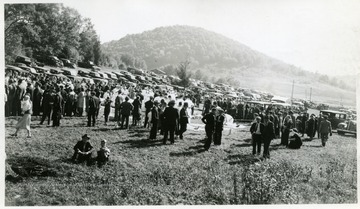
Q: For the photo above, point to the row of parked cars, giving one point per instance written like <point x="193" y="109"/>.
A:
<point x="88" y="71"/>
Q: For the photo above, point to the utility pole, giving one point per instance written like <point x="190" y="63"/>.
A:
<point x="310" y="93"/>
<point x="292" y="92"/>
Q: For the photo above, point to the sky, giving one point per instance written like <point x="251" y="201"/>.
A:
<point x="317" y="35"/>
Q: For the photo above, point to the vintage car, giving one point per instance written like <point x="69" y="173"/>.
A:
<point x="335" y="117"/>
<point x="347" y="127"/>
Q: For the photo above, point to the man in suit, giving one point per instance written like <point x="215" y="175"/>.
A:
<point x="209" y="120"/>
<point x="82" y="151"/>
<point x="170" y="117"/>
<point x="118" y="101"/>
<point x="154" y="120"/>
<point x="268" y="134"/>
<point x="219" y="126"/>
<point x="37" y="99"/>
<point x="57" y="109"/>
<point x="184" y="119"/>
<point x="126" y="108"/>
<point x="148" y="106"/>
<point x="256" y="130"/>
<point x="325" y="130"/>
<point x="47" y="105"/>
<point x="93" y="106"/>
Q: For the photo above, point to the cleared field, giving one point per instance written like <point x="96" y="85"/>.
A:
<point x="143" y="172"/>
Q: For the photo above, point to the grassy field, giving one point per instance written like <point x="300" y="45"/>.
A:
<point x="143" y="172"/>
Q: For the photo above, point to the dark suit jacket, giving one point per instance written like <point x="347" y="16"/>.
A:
<point x="94" y="103"/>
<point x="183" y="117"/>
<point x="170" y="116"/>
<point x="126" y="108"/>
<point x="254" y="127"/>
<point x="269" y="132"/>
<point x="82" y="146"/>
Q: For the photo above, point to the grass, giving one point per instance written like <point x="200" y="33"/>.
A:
<point x="149" y="173"/>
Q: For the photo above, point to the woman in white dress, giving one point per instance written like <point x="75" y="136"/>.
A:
<point x="24" y="122"/>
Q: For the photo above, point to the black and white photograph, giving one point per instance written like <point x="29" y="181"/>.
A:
<point x="180" y="103"/>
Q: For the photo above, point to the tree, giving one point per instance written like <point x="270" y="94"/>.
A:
<point x="184" y="74"/>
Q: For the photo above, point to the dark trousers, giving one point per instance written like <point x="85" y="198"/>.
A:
<point x="266" y="148"/>
<point x="285" y="137"/>
<point x="154" y="129"/>
<point x="256" y="143"/>
<point x="170" y="129"/>
<point x="80" y="111"/>
<point x="209" y="134"/>
<point x="56" y="117"/>
<point x="146" y="118"/>
<point x="46" y="113"/>
<point x="106" y="114"/>
<point x="91" y="116"/>
<point x="80" y="158"/>
<point x="217" y="137"/>
<point x="123" y="118"/>
<point x="183" y="127"/>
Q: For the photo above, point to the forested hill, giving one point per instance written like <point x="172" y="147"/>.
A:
<point x="171" y="45"/>
<point x="213" y="57"/>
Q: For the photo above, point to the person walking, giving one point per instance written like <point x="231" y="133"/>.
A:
<point x="209" y="120"/>
<point x="256" y="130"/>
<point x="24" y="122"/>
<point x="126" y="108"/>
<point x="170" y="117"/>
<point x="325" y="130"/>
<point x="268" y="135"/>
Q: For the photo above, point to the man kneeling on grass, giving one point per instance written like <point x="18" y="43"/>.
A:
<point x="103" y="154"/>
<point x="83" y="151"/>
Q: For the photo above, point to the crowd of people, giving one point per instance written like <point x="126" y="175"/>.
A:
<point x="166" y="112"/>
<point x="269" y="125"/>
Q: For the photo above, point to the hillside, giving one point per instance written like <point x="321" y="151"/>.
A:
<point x="216" y="58"/>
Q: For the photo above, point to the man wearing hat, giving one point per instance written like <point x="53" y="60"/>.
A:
<point x="209" y="120"/>
<point x="126" y="108"/>
<point x="170" y="118"/>
<point x="325" y="130"/>
<point x="82" y="150"/>
<point x="256" y="130"/>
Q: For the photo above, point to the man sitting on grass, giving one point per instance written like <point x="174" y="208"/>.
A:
<point x="82" y="151"/>
<point x="103" y="154"/>
<point x="295" y="140"/>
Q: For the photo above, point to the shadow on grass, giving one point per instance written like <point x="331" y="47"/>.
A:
<point x="316" y="146"/>
<point x="242" y="159"/>
<point x="193" y="150"/>
<point x="141" y="143"/>
<point x="103" y="129"/>
<point x="34" y="166"/>
<point x="243" y="145"/>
